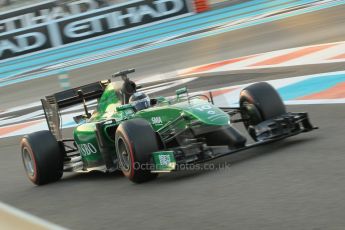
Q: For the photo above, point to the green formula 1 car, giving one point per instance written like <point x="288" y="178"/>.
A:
<point x="144" y="137"/>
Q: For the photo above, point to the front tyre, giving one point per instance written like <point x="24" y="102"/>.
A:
<point x="259" y="102"/>
<point x="42" y="157"/>
<point x="135" y="141"/>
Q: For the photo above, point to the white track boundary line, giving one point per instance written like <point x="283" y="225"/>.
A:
<point x="13" y="218"/>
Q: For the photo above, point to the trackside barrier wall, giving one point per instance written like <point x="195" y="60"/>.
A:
<point x="40" y="29"/>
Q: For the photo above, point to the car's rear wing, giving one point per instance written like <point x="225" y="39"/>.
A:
<point x="71" y="97"/>
<point x="52" y="104"/>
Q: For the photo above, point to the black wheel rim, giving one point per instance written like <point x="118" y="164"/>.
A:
<point x="28" y="162"/>
<point x="124" y="155"/>
<point x="250" y="114"/>
<point x="251" y="117"/>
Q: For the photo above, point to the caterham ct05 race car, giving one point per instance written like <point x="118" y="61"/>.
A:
<point x="143" y="137"/>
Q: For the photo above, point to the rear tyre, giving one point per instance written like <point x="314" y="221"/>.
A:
<point x="259" y="102"/>
<point x="135" y="140"/>
<point x="42" y="157"/>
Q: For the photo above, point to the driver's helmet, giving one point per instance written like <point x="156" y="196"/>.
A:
<point x="140" y="101"/>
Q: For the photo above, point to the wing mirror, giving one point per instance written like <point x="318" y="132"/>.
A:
<point x="181" y="91"/>
<point x="124" y="107"/>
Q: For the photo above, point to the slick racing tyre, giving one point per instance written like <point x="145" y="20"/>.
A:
<point x="259" y="102"/>
<point x="42" y="157"/>
<point x="135" y="140"/>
